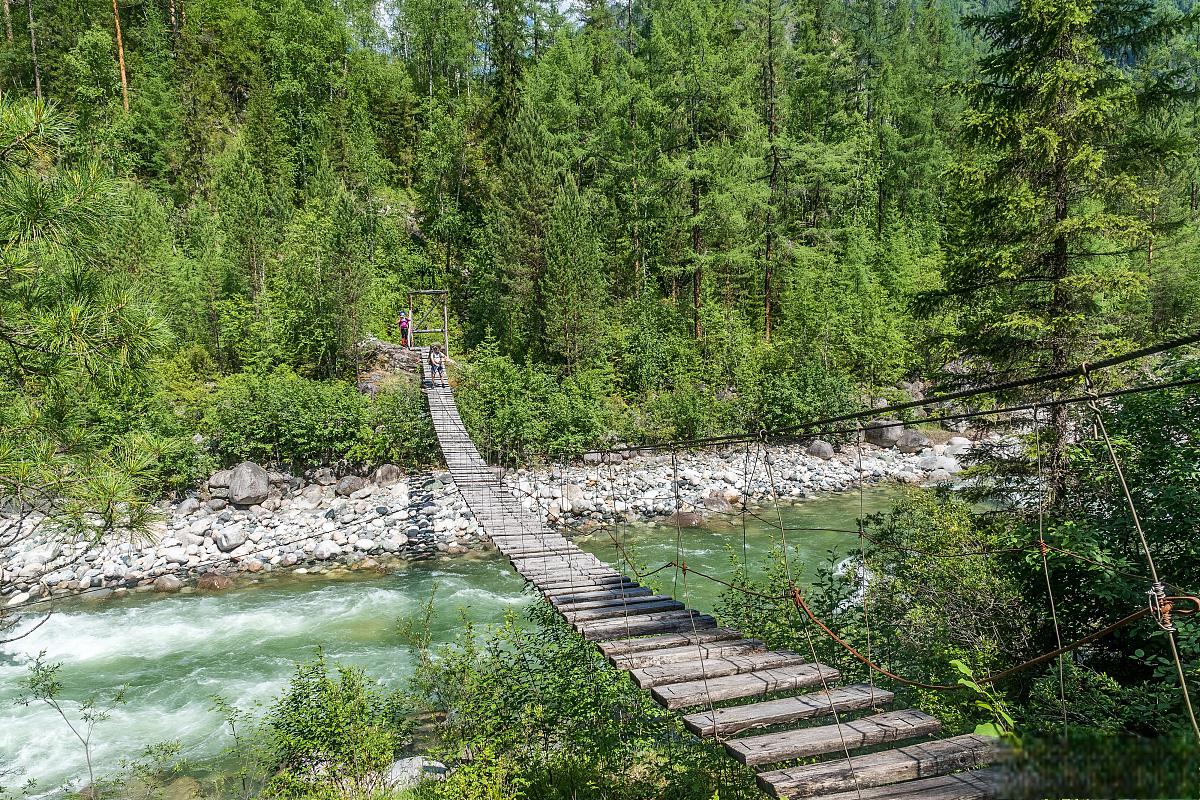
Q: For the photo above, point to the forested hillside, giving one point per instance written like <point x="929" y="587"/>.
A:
<point x="654" y="219"/>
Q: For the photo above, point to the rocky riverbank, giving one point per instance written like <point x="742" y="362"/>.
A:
<point x="248" y="520"/>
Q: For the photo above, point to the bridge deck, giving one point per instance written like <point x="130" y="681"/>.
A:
<point x="771" y="709"/>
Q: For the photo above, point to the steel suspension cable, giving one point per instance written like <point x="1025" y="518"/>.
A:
<point x="1160" y="605"/>
<point x="1042" y="549"/>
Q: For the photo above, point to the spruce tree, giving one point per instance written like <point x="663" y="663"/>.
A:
<point x="1041" y="226"/>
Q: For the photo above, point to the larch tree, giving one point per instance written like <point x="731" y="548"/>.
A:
<point x="574" y="287"/>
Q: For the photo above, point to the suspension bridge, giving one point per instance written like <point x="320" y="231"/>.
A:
<point x="791" y="718"/>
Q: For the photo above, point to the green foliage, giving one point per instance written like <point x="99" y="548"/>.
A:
<point x="331" y="737"/>
<point x="532" y="710"/>
<point x="282" y="418"/>
<point x="789" y="393"/>
<point x="396" y="429"/>
<point x="514" y="409"/>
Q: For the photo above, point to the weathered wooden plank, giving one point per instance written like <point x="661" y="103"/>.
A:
<point x="620" y="647"/>
<point x="911" y="762"/>
<point x="750" y="684"/>
<point x="619" y="601"/>
<point x="979" y="784"/>
<point x="552" y="579"/>
<point x="557" y="589"/>
<point x="667" y="622"/>
<point x="891" y="726"/>
<point x="739" y="719"/>
<point x="622" y="610"/>
<point x="719" y="667"/>
<point x="676" y="655"/>
<point x="601" y="594"/>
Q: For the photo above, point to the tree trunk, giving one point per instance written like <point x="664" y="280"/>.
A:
<point x="8" y="34"/>
<point x="696" y="274"/>
<point x="773" y="174"/>
<point x="37" y="68"/>
<point x="172" y="17"/>
<point x="121" y="57"/>
<point x="1061" y="349"/>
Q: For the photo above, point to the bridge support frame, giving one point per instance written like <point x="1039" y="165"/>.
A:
<point x="434" y="305"/>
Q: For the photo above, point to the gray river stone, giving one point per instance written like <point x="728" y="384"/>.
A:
<point x="821" y="449"/>
<point x="884" y="432"/>
<point x="350" y="484"/>
<point x="230" y="539"/>
<point x="249" y="485"/>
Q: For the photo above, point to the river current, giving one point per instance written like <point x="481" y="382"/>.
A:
<point x="175" y="653"/>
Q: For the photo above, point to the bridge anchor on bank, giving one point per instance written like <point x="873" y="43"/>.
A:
<point x="767" y="707"/>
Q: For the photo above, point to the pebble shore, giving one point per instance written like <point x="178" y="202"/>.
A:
<point x="248" y="520"/>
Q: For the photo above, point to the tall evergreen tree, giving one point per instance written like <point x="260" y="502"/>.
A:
<point x="1042" y="227"/>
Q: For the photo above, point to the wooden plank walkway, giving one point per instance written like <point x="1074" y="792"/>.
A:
<point x="772" y="710"/>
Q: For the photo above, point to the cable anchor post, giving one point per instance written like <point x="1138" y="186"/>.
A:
<point x="1161" y="606"/>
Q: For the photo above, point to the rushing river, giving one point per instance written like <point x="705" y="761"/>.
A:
<point x="174" y="653"/>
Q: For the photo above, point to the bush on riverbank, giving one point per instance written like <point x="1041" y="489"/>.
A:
<point x="282" y="418"/>
<point x="535" y="711"/>
<point x="532" y="409"/>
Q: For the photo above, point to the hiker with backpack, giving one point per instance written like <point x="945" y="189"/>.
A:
<point x="403" y="325"/>
<point x="437" y="363"/>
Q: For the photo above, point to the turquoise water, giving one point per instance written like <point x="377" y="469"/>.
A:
<point x="174" y="653"/>
<point x="817" y="532"/>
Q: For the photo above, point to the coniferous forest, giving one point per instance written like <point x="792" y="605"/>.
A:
<point x="656" y="220"/>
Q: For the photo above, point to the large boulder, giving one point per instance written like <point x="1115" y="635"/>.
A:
<point x="350" y="484"/>
<point x="249" y="484"/>
<point x="821" y="449"/>
<point x="220" y="479"/>
<point x="324" y="477"/>
<point x="884" y="432"/>
<point x="168" y="583"/>
<point x="387" y="475"/>
<point x="912" y="442"/>
<point x="230" y="539"/>
<point x="213" y="582"/>
<point x="408" y="773"/>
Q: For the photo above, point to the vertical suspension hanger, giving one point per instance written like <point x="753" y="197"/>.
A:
<point x="1043" y="549"/>
<point x="1160" y="605"/>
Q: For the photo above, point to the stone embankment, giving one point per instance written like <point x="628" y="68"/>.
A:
<point x="715" y="484"/>
<point x="252" y="521"/>
<point x="249" y="520"/>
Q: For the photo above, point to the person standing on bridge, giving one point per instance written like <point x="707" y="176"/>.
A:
<point x="437" y="362"/>
<point x="403" y="325"/>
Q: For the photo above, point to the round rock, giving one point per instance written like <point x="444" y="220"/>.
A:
<point x="249" y="484"/>
<point x="167" y="583"/>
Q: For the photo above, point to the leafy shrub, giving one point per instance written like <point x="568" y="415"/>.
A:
<point x="281" y="417"/>
<point x="330" y="737"/>
<point x="514" y="408"/>
<point x="397" y="429"/>
<point x="790" y="393"/>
